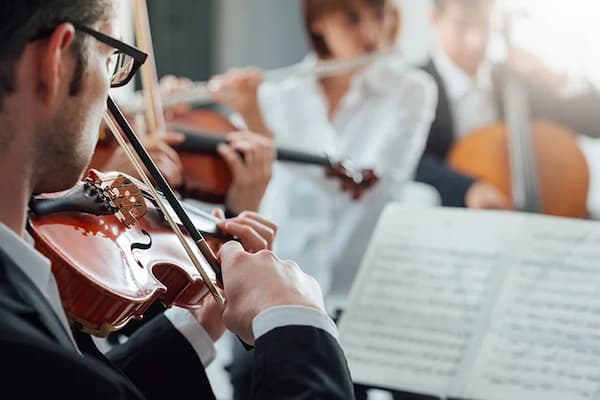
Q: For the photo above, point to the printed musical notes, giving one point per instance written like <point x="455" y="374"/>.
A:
<point x="479" y="305"/>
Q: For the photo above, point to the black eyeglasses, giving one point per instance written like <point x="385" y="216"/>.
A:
<point x="126" y="60"/>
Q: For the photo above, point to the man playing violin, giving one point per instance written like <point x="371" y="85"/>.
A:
<point x="53" y="67"/>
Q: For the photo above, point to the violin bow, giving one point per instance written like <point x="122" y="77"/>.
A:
<point x="119" y="126"/>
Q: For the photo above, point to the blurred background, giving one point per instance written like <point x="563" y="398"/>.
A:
<point x="197" y="39"/>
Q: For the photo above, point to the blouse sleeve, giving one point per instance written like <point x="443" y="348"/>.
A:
<point x="401" y="148"/>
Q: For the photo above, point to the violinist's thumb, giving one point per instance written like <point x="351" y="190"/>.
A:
<point x="230" y="254"/>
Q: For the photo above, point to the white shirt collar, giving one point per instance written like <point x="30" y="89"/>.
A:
<point x="458" y="83"/>
<point x="25" y="256"/>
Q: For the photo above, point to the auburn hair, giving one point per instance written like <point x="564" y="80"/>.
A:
<point x="315" y="9"/>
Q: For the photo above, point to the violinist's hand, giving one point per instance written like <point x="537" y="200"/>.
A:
<point x="256" y="282"/>
<point x="254" y="232"/>
<point x="162" y="153"/>
<point x="482" y="195"/>
<point x="237" y="89"/>
<point x="170" y="84"/>
<point x="210" y="316"/>
<point x="250" y="158"/>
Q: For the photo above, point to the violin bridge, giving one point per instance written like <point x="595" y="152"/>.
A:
<point x="128" y="200"/>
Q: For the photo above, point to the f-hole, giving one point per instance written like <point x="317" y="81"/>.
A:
<point x="142" y="247"/>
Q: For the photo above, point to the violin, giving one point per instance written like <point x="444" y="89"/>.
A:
<point x="537" y="164"/>
<point x="206" y="175"/>
<point x="112" y="253"/>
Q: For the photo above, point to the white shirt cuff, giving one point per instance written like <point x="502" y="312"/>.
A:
<point x="188" y="326"/>
<point x="277" y="317"/>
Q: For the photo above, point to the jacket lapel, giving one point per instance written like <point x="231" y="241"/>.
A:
<point x="27" y="299"/>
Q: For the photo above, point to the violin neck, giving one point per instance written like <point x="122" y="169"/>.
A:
<point x="207" y="143"/>
<point x="300" y="157"/>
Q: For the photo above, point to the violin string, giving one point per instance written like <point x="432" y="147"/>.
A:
<point x="188" y="249"/>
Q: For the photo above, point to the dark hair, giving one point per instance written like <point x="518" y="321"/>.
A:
<point x="315" y="9"/>
<point x="441" y="4"/>
<point x="22" y="21"/>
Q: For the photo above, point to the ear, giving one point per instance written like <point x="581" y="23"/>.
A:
<point x="55" y="62"/>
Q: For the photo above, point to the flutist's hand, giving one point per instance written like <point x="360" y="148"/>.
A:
<point x="170" y="84"/>
<point x="237" y="89"/>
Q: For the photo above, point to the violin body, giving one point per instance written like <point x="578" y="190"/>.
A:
<point x="109" y="273"/>
<point x="206" y="175"/>
<point x="562" y="171"/>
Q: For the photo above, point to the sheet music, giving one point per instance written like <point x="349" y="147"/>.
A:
<point x="544" y="336"/>
<point x="419" y="301"/>
<point x="478" y="305"/>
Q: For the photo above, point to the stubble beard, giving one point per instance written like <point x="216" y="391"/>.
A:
<point x="66" y="146"/>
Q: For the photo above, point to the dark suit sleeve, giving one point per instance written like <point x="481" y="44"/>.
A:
<point x="300" y="363"/>
<point x="162" y="363"/>
<point x="451" y="185"/>
<point x="33" y="367"/>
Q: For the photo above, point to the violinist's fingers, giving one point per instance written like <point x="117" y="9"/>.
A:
<point x="173" y="138"/>
<point x="232" y="158"/>
<point x="171" y="171"/>
<point x="261" y="149"/>
<point x="250" y="238"/>
<point x="260" y="219"/>
<point x="218" y="213"/>
<point x="249" y="153"/>
<point x="162" y="148"/>
<point x="229" y="253"/>
<point x="210" y="316"/>
<point x="264" y="231"/>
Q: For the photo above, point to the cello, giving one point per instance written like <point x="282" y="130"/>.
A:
<point x="537" y="164"/>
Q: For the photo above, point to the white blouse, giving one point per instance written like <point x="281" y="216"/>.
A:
<point x="381" y="123"/>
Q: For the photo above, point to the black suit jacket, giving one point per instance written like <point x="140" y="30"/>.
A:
<point x="39" y="361"/>
<point x="577" y="113"/>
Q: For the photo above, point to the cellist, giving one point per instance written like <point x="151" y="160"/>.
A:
<point x="469" y="97"/>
